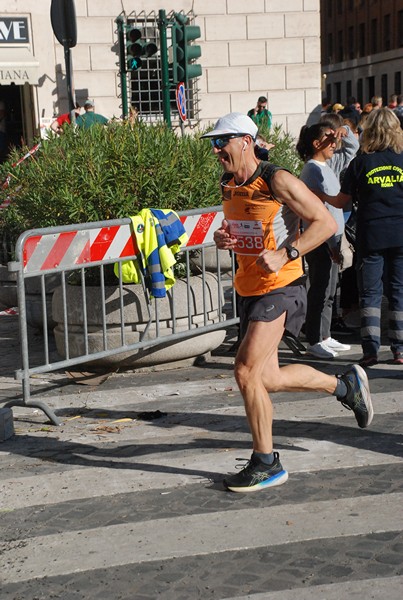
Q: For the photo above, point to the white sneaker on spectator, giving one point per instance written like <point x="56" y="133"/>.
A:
<point x="335" y="345"/>
<point x="320" y="350"/>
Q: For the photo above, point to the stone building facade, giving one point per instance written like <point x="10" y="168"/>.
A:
<point x="259" y="47"/>
<point x="362" y="49"/>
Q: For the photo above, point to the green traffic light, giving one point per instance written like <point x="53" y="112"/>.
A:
<point x="138" y="46"/>
<point x="183" y="51"/>
<point x="135" y="63"/>
<point x="191" y="32"/>
<point x="193" y="52"/>
<point x="194" y="71"/>
<point x="133" y="34"/>
<point x="142" y="48"/>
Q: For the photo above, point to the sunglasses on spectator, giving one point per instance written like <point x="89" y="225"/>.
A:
<point x="221" y="142"/>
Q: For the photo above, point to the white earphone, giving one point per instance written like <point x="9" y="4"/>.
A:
<point x="244" y="145"/>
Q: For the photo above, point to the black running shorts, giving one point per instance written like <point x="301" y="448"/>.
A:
<point x="290" y="300"/>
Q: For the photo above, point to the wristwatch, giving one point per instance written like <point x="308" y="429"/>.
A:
<point x="292" y="252"/>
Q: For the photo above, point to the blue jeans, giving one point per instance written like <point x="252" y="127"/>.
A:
<point x="381" y="272"/>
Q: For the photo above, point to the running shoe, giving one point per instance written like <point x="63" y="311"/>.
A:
<point x="320" y="350"/>
<point x="256" y="475"/>
<point x="358" y="398"/>
<point x="335" y="345"/>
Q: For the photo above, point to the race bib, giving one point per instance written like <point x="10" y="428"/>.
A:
<point x="249" y="235"/>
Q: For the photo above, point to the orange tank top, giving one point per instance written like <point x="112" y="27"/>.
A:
<point x="259" y="221"/>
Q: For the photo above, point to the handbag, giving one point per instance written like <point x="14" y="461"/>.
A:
<point x="346" y="253"/>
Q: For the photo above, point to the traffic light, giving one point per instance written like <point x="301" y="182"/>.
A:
<point x="183" y="51"/>
<point x="138" y="46"/>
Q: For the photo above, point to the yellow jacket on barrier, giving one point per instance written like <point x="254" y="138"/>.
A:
<point x="159" y="236"/>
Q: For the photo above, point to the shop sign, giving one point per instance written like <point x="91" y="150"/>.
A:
<point x="17" y="76"/>
<point x="14" y="30"/>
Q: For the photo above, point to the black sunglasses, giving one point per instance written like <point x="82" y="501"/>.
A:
<point x="221" y="142"/>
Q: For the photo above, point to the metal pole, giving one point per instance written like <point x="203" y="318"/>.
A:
<point x="67" y="60"/>
<point x="162" y="26"/>
<point x="122" y="65"/>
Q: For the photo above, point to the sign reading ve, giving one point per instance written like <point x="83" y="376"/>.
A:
<point x="14" y="30"/>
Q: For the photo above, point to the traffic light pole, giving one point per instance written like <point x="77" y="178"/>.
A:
<point x="162" y="26"/>
<point x="122" y="66"/>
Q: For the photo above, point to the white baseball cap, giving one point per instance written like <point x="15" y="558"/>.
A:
<point x="234" y="123"/>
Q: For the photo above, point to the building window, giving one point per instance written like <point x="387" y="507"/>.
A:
<point x="349" y="88"/>
<point x="330" y="9"/>
<point x="340" y="7"/>
<point x="350" y="5"/>
<point x="374" y="36"/>
<point x="340" y="46"/>
<point x="384" y="89"/>
<point x="330" y="48"/>
<point x="337" y="89"/>
<point x="351" y="42"/>
<point x="361" y="39"/>
<point x="398" y="82"/>
<point x="329" y="91"/>
<point x="370" y="87"/>
<point x="360" y="95"/>
<point x="400" y="28"/>
<point x="386" y="32"/>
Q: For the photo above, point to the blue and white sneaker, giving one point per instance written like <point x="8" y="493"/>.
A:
<point x="256" y="475"/>
<point x="358" y="398"/>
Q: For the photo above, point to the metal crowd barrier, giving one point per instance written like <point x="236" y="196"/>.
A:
<point x="60" y="253"/>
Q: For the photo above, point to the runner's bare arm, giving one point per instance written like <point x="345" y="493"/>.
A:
<point x="308" y="207"/>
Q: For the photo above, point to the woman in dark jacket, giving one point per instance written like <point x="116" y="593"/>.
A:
<point x="376" y="177"/>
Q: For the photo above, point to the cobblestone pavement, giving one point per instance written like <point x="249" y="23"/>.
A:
<point x="115" y="504"/>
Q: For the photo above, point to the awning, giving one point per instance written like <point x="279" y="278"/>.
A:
<point x="18" y="65"/>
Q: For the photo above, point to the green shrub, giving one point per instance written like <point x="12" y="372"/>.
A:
<point x="109" y="172"/>
<point x="283" y="153"/>
<point x="113" y="172"/>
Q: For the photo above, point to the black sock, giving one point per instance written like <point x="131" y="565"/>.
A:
<point x="267" y="459"/>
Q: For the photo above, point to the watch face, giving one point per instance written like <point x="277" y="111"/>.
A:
<point x="292" y="253"/>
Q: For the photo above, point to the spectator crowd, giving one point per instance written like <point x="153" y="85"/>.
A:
<point x="342" y="145"/>
<point x="370" y="201"/>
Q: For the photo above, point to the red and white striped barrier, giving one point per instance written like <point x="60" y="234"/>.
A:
<point x="200" y="228"/>
<point x="73" y="248"/>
